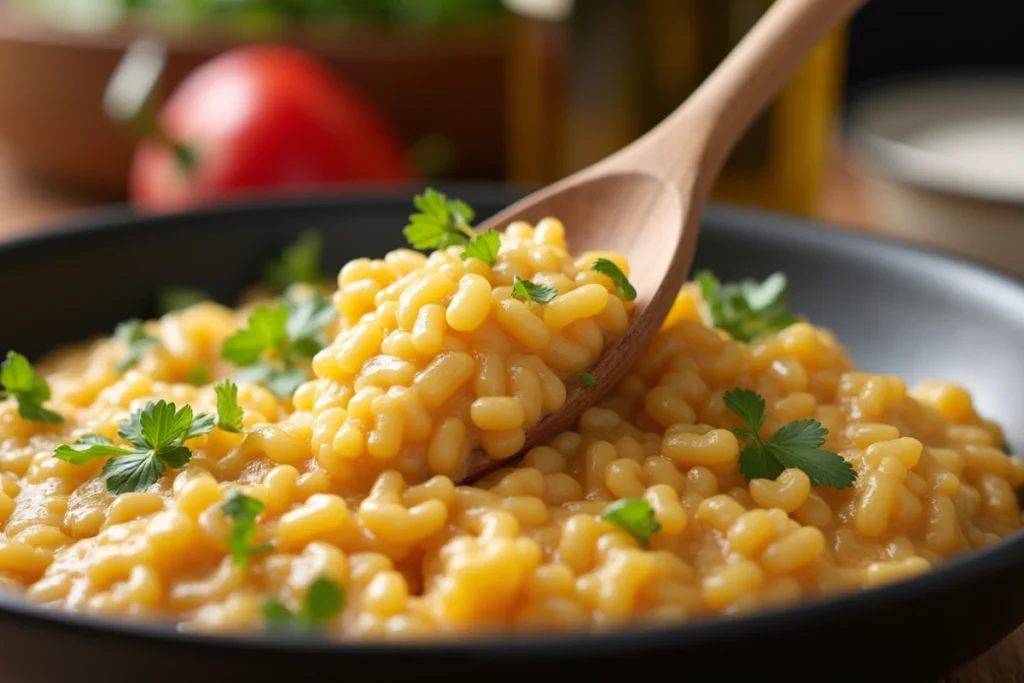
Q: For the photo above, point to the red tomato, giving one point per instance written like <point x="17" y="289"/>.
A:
<point x="263" y="117"/>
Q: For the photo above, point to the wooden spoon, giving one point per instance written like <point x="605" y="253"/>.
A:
<point x="645" y="201"/>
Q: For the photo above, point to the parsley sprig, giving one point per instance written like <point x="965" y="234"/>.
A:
<point x="323" y="602"/>
<point x="156" y="435"/>
<point x="531" y="291"/>
<point x="276" y="339"/>
<point x="634" y="515"/>
<point x="484" y="246"/>
<point x="243" y="510"/>
<point x="442" y="222"/>
<point x="132" y="333"/>
<point x="28" y="389"/>
<point x="747" y="309"/>
<point x="229" y="413"/>
<point x="298" y="263"/>
<point x="623" y="289"/>
<point x="796" y="444"/>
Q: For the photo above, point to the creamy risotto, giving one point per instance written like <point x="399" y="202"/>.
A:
<point x="742" y="464"/>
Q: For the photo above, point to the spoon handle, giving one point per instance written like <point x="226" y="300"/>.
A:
<point x="711" y="121"/>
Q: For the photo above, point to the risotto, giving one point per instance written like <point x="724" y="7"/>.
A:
<point x="307" y="474"/>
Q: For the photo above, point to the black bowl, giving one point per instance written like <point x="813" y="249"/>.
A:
<point x="898" y="309"/>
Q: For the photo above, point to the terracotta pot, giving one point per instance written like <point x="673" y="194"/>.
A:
<point x="51" y="89"/>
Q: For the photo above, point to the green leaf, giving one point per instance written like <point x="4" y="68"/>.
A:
<point x="198" y="376"/>
<point x="323" y="602"/>
<point x="131" y="473"/>
<point x="162" y="425"/>
<point x="440" y="223"/>
<point x="229" y="413"/>
<point x="623" y="289"/>
<point x="174" y="457"/>
<point x="748" y="309"/>
<point x="757" y="462"/>
<point x="276" y="615"/>
<point x="307" y="320"/>
<point x="587" y="380"/>
<point x="242" y="511"/>
<point x="131" y="332"/>
<point x="798" y="444"/>
<point x="530" y="291"/>
<point x="298" y="263"/>
<point x="484" y="246"/>
<point x="283" y="383"/>
<point x="634" y="515"/>
<point x="171" y="299"/>
<point x="795" y="445"/>
<point x="748" y="405"/>
<point x="28" y="389"/>
<point x="88" y="448"/>
<point x="267" y="329"/>
<point x="201" y="424"/>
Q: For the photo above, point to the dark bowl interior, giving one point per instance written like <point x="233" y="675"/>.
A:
<point x="898" y="309"/>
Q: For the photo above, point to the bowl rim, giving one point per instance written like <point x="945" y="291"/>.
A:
<point x="754" y="225"/>
<point x="902" y="163"/>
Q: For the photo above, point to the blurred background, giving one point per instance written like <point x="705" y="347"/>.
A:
<point x="910" y="121"/>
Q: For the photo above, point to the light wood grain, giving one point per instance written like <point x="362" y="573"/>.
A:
<point x="646" y="200"/>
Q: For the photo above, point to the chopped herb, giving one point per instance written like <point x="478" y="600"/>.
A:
<point x="440" y="223"/>
<point x="484" y="246"/>
<point x="587" y="380"/>
<point x="276" y="339"/>
<point x="173" y="299"/>
<point x="156" y="435"/>
<point x="243" y="511"/>
<point x="796" y="444"/>
<point x="530" y="291"/>
<point x="198" y="376"/>
<point x="623" y="289"/>
<point x="28" y="389"/>
<point x="324" y="601"/>
<point x="229" y="413"/>
<point x="298" y="263"/>
<point x="634" y="515"/>
<point x="747" y="309"/>
<point x="134" y="336"/>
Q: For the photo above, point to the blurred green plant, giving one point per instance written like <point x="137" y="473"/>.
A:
<point x="424" y="14"/>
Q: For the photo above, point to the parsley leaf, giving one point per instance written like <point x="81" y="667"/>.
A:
<point x="484" y="246"/>
<point x="747" y="309"/>
<point x="156" y="434"/>
<point x="299" y="262"/>
<point x="440" y="223"/>
<point x="134" y="336"/>
<point x="530" y="291"/>
<point x="795" y="445"/>
<point x="243" y="511"/>
<point x="267" y="330"/>
<point x="623" y="289"/>
<point x="323" y="602"/>
<point x="587" y="380"/>
<point x="276" y="338"/>
<point x="28" y="389"/>
<point x="173" y="299"/>
<point x="229" y="413"/>
<point x="634" y="515"/>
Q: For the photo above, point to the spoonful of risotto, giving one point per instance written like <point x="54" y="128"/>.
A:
<point x="499" y="340"/>
<point x="642" y="207"/>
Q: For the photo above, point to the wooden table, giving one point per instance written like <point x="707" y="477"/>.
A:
<point x="27" y="206"/>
